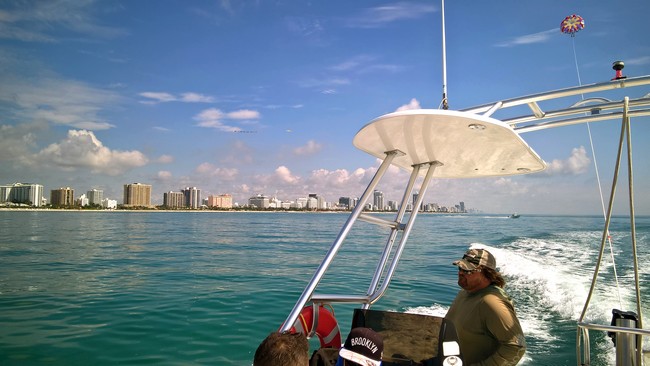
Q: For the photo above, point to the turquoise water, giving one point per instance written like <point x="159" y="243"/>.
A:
<point x="204" y="288"/>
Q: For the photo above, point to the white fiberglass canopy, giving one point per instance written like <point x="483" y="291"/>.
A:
<point x="462" y="144"/>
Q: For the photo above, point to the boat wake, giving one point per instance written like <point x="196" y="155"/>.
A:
<point x="549" y="281"/>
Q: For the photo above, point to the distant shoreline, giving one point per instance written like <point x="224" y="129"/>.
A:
<point x="156" y="210"/>
<point x="32" y="209"/>
<point x="82" y="210"/>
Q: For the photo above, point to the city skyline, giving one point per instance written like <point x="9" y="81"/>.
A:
<point x="190" y="197"/>
<point x="246" y="97"/>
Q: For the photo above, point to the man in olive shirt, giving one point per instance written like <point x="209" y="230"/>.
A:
<point x="483" y="314"/>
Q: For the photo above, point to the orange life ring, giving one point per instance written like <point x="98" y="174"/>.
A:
<point x="324" y="325"/>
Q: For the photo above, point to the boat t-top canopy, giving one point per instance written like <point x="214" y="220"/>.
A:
<point x="436" y="143"/>
<point x="460" y="144"/>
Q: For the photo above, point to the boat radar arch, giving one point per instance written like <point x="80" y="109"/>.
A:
<point x="461" y="144"/>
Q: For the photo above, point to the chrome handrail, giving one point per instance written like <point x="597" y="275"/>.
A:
<point x="320" y="272"/>
<point x="615" y="329"/>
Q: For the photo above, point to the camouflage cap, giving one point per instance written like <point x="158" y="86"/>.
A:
<point x="477" y="257"/>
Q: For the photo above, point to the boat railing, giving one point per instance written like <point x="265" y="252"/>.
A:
<point x="625" y="325"/>
<point x="622" y="358"/>
<point x="533" y="99"/>
<point x="586" y="110"/>
<point x="615" y="329"/>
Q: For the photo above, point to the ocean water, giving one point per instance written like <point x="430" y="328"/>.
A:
<point x="204" y="288"/>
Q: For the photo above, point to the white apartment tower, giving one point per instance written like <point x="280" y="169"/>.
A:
<point x="25" y="193"/>
<point x="95" y="196"/>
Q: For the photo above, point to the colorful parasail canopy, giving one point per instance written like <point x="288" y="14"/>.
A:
<point x="572" y="24"/>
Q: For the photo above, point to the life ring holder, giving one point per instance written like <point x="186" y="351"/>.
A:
<point x="318" y="319"/>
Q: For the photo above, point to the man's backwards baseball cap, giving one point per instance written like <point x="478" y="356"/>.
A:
<point x="477" y="257"/>
<point x="363" y="346"/>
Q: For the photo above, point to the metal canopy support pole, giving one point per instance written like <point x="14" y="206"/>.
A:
<point x="391" y="238"/>
<point x="607" y="222"/>
<point x="583" y="335"/>
<point x="407" y="230"/>
<point x="320" y="272"/>
<point x="630" y="177"/>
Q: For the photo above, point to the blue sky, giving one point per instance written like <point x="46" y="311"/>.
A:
<point x="264" y="97"/>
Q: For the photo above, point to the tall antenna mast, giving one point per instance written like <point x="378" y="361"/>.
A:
<point x="445" y="105"/>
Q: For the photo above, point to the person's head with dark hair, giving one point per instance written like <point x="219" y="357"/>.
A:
<point x="283" y="349"/>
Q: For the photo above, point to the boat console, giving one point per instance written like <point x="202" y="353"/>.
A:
<point x="412" y="339"/>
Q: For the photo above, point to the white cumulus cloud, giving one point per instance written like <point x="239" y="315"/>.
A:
<point x="284" y="174"/>
<point x="413" y="104"/>
<point x="82" y="150"/>
<point x="312" y="147"/>
<point x="577" y="163"/>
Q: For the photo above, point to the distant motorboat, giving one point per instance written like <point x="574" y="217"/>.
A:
<point x="514" y="216"/>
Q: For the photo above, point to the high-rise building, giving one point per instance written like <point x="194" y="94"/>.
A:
<point x="301" y="202"/>
<point x="355" y="202"/>
<point x="378" y="200"/>
<point x="275" y="202"/>
<point x="62" y="197"/>
<point x="345" y="202"/>
<point x="174" y="200"/>
<point x="259" y="201"/>
<point x="314" y="201"/>
<point x="192" y="197"/>
<point x="393" y="205"/>
<point x="137" y="195"/>
<point x="95" y="196"/>
<point x="220" y="201"/>
<point x="82" y="201"/>
<point x="25" y="193"/>
<point x="415" y="198"/>
<point x="109" y="204"/>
